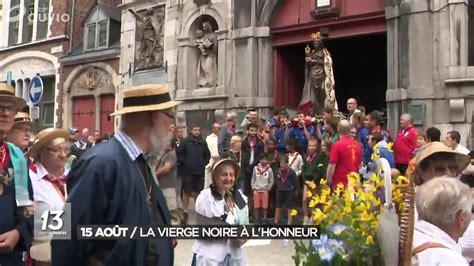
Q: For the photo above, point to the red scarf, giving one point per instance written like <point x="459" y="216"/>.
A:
<point x="310" y="158"/>
<point x="262" y="169"/>
<point x="58" y="183"/>
<point x="294" y="158"/>
<point x="4" y="156"/>
<point x="284" y="175"/>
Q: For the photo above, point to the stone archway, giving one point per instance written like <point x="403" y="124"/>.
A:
<point x="91" y="84"/>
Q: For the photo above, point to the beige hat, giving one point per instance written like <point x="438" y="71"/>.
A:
<point x="7" y="92"/>
<point x="432" y="148"/>
<point x="44" y="137"/>
<point x="146" y="98"/>
<point x="23" y="118"/>
<point x="226" y="162"/>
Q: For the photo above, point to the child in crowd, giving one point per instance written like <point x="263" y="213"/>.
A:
<point x="294" y="157"/>
<point x="286" y="184"/>
<point x="272" y="155"/>
<point x="380" y="149"/>
<point x="262" y="182"/>
<point x="420" y="141"/>
<point x="330" y="125"/>
<point x="295" y="162"/>
<point x="314" y="169"/>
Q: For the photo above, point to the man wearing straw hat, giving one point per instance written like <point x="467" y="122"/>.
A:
<point x="113" y="184"/>
<point x="22" y="131"/>
<point x="15" y="189"/>
<point x="436" y="159"/>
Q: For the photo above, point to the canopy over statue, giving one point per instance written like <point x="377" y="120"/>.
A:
<point x="318" y="91"/>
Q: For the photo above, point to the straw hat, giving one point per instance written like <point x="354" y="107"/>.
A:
<point x="432" y="148"/>
<point x="7" y="92"/>
<point x="23" y="118"/>
<point x="44" y="137"/>
<point x="146" y="98"/>
<point x="223" y="162"/>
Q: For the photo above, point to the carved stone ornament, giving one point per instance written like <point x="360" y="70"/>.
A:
<point x="93" y="79"/>
<point x="149" y="38"/>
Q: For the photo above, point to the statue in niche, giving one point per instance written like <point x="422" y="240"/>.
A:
<point x="206" y="43"/>
<point x="149" y="36"/>
<point x="318" y="91"/>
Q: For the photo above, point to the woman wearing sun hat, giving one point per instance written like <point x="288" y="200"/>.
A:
<point x="48" y="178"/>
<point x="221" y="203"/>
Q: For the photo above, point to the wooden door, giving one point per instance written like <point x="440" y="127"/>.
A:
<point x="84" y="113"/>
<point x="107" y="103"/>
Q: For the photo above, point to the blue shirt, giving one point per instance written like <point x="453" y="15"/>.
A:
<point x="298" y="134"/>
<point x="366" y="150"/>
<point x="127" y="143"/>
<point x="280" y="139"/>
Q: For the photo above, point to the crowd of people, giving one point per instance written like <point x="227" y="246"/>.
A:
<point x="150" y="169"/>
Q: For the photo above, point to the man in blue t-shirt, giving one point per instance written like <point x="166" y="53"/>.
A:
<point x="301" y="133"/>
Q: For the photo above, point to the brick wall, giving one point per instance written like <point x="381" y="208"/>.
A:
<point x="81" y="10"/>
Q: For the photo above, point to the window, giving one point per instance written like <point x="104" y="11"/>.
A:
<point x="28" y="21"/>
<point x="103" y="33"/>
<point x="91" y="34"/>
<point x="42" y="21"/>
<point x="97" y="35"/>
<point x="14" y="22"/>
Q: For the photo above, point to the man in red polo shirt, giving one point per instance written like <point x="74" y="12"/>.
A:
<point x="345" y="156"/>
<point x="405" y="143"/>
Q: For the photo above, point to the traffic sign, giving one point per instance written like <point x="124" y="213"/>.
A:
<point x="35" y="89"/>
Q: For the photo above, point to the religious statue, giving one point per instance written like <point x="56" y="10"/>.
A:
<point x="150" y="35"/>
<point x="91" y="79"/>
<point x="206" y="43"/>
<point x="318" y="88"/>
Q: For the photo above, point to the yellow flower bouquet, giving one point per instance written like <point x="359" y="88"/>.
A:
<point x="348" y="218"/>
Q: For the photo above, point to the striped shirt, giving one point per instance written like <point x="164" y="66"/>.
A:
<point x="129" y="145"/>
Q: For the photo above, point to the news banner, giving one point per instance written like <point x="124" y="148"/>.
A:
<point x="197" y="232"/>
<point x="57" y="224"/>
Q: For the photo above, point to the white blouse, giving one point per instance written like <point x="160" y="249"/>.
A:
<point x="450" y="255"/>
<point x="45" y="195"/>
<point x="296" y="162"/>
<point x="213" y="252"/>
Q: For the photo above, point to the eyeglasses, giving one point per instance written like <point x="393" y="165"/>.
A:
<point x="442" y="169"/>
<point x="24" y="130"/>
<point x="66" y="151"/>
<point x="8" y="107"/>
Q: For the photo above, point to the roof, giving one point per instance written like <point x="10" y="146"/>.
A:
<point x="111" y="12"/>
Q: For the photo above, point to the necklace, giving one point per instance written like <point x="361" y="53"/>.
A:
<point x="147" y="190"/>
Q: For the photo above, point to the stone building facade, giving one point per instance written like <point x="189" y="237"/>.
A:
<point x="236" y="66"/>
<point x="431" y="64"/>
<point x="33" y="35"/>
<point x="41" y="37"/>
<point x="91" y="68"/>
